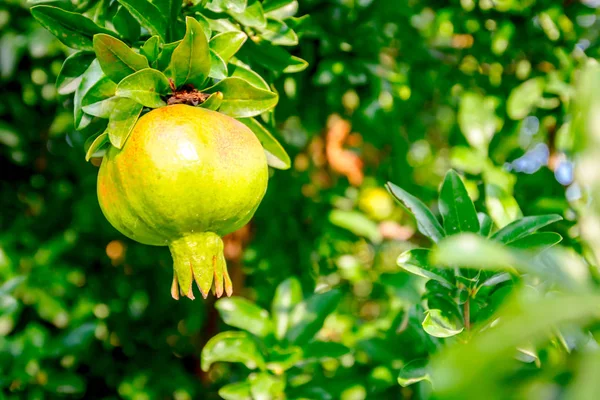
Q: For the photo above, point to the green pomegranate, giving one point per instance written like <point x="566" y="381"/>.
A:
<point x="185" y="177"/>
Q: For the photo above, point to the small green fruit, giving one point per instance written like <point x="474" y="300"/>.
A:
<point x="185" y="177"/>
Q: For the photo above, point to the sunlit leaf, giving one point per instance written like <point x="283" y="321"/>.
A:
<point x="213" y="102"/>
<point x="485" y="224"/>
<point x="72" y="70"/>
<point x="357" y="223"/>
<point x="266" y="386"/>
<point x="116" y="58"/>
<point x="148" y="15"/>
<point x="278" y="33"/>
<point x="146" y="87"/>
<point x="242" y="100"/>
<point x="308" y="316"/>
<point x="99" y="99"/>
<point x="240" y="71"/>
<point x="253" y="15"/>
<point x="73" y="29"/>
<point x="241" y="313"/>
<point x="438" y="325"/>
<point x="218" y="68"/>
<point x="273" y="57"/>
<point x="89" y="78"/>
<point x="97" y="144"/>
<point x="236" y="391"/>
<point x="122" y="120"/>
<point x="524" y="98"/>
<point x="485" y="358"/>
<point x="476" y="118"/>
<point x="226" y="44"/>
<point x="416" y="262"/>
<point x="413" y="372"/>
<point x="190" y="62"/>
<point x="287" y="295"/>
<point x="427" y="224"/>
<point x="151" y="49"/>
<point x="232" y="347"/>
<point x="524" y="227"/>
<point x="537" y="241"/>
<point x="276" y="154"/>
<point x="456" y="206"/>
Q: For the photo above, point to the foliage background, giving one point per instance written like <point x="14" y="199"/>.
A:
<point x="395" y="91"/>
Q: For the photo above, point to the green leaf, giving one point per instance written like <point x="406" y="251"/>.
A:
<point x="456" y="206"/>
<point x="116" y="58"/>
<point x="10" y="285"/>
<point x="73" y="29"/>
<point x="145" y="87"/>
<point x="416" y="262"/>
<point x="471" y="251"/>
<point x="501" y="205"/>
<point x="357" y="223"/>
<point x="438" y="325"/>
<point x="242" y="100"/>
<point x="213" y="102"/>
<point x="122" y="120"/>
<point x="283" y="358"/>
<point x="524" y="98"/>
<point x="190" y="62"/>
<point x="586" y="384"/>
<point x="427" y="224"/>
<point x="148" y="15"/>
<point x="485" y="224"/>
<point x="218" y="68"/>
<point x="96" y="145"/>
<point x="477" y="120"/>
<point x="238" y="6"/>
<point x="89" y="78"/>
<point x="308" y="316"/>
<point x="171" y="10"/>
<point x="287" y="295"/>
<point x="204" y="24"/>
<point x="126" y="25"/>
<point x="276" y="154"/>
<point x="8" y="304"/>
<point x="537" y="241"/>
<point x="99" y="100"/>
<point x="236" y="391"/>
<point x="253" y="16"/>
<point x="241" y="313"/>
<point x="151" y="49"/>
<point x="226" y="44"/>
<point x="524" y="227"/>
<point x="101" y="108"/>
<point x="380" y="379"/>
<point x="278" y="33"/>
<point x="232" y="347"/>
<point x="241" y="71"/>
<point x="72" y="70"/>
<point x="318" y="351"/>
<point x="273" y="58"/>
<point x="280" y="9"/>
<point x="164" y="57"/>
<point x="484" y="359"/>
<point x="413" y="372"/>
<point x="222" y="25"/>
<point x="266" y="386"/>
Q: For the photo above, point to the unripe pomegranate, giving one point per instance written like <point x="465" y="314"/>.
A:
<point x="185" y="177"/>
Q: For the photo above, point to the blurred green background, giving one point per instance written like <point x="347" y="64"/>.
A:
<point x="396" y="90"/>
